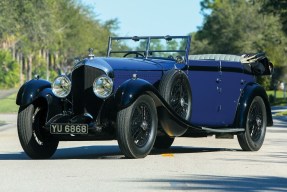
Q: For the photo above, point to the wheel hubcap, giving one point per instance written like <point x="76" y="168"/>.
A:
<point x="258" y="122"/>
<point x="179" y="98"/>
<point x="255" y="121"/>
<point x="182" y="102"/>
<point x="144" y="125"/>
<point x="141" y="125"/>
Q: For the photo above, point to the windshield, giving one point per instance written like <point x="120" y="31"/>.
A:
<point x="169" y="47"/>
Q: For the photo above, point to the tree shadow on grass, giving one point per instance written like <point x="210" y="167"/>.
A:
<point x="219" y="183"/>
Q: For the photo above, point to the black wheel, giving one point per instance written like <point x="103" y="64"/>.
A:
<point x="175" y="89"/>
<point x="253" y="137"/>
<point x="137" y="127"/>
<point x="36" y="143"/>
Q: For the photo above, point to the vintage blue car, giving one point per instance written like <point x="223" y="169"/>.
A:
<point x="144" y="93"/>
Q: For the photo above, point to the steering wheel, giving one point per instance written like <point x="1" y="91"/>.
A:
<point x="134" y="52"/>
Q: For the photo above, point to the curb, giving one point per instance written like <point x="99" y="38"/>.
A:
<point x="280" y="118"/>
<point x="7" y="126"/>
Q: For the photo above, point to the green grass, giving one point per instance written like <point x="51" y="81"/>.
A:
<point x="8" y="104"/>
<point x="279" y="100"/>
<point x="279" y="94"/>
<point x="283" y="113"/>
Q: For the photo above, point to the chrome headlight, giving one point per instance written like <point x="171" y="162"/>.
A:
<point x="103" y="86"/>
<point x="61" y="87"/>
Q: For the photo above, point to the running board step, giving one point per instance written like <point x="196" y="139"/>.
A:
<point x="223" y="130"/>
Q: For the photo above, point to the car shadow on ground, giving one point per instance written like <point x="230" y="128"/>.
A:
<point x="107" y="152"/>
<point x="219" y="183"/>
<point x="183" y="149"/>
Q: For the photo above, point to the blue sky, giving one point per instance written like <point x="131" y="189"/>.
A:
<point x="150" y="17"/>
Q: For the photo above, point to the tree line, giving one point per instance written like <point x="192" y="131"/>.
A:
<point x="43" y="36"/>
<point x="244" y="26"/>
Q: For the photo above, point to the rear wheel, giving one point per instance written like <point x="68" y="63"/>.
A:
<point x="36" y="143"/>
<point x="253" y="137"/>
<point x="137" y="127"/>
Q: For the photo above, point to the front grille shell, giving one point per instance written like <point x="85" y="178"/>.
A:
<point x="83" y="98"/>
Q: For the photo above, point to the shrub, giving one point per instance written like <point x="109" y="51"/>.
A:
<point x="9" y="71"/>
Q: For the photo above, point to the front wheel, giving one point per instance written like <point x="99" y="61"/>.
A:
<point x="36" y="143"/>
<point x="137" y="127"/>
<point x="253" y="137"/>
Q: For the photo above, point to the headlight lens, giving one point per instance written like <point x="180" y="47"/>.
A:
<point x="61" y="87"/>
<point x="103" y="86"/>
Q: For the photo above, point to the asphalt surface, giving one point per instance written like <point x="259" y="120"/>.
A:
<point x="198" y="164"/>
<point x="5" y="93"/>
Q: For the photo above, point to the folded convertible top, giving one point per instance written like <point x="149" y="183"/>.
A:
<point x="258" y="64"/>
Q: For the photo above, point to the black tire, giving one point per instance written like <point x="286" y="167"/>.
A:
<point x="174" y="87"/>
<point x="137" y="127"/>
<point x="256" y="121"/>
<point x="36" y="143"/>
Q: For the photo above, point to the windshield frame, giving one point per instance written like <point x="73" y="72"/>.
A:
<point x="148" y="39"/>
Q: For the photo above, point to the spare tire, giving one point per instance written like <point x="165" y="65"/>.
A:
<point x="174" y="87"/>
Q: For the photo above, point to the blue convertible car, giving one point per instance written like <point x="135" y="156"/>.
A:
<point x="144" y="93"/>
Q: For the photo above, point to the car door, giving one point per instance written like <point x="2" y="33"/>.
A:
<point x="230" y="82"/>
<point x="202" y="75"/>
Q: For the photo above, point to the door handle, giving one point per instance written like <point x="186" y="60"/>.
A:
<point x="242" y="81"/>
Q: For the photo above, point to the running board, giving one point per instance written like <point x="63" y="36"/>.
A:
<point x="223" y="130"/>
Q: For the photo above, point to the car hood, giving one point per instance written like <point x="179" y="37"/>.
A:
<point x="131" y="64"/>
<point x="109" y="64"/>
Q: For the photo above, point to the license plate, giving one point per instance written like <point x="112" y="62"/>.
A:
<point x="69" y="129"/>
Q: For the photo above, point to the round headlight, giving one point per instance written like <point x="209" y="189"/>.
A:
<point x="103" y="86"/>
<point x="61" y="87"/>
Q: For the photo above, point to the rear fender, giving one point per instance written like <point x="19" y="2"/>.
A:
<point x="250" y="91"/>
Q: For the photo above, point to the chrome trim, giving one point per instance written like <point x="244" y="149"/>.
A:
<point x="97" y="63"/>
<point x="88" y="115"/>
<point x="53" y="89"/>
<point x="223" y="130"/>
<point x="112" y="83"/>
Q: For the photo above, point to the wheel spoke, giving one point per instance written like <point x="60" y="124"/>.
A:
<point x="141" y="124"/>
<point x="255" y="121"/>
<point x="179" y="97"/>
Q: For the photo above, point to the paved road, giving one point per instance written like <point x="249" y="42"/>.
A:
<point x="200" y="164"/>
<point x="5" y="93"/>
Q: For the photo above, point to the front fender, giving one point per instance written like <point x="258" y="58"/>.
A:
<point x="30" y="91"/>
<point x="171" y="123"/>
<point x="54" y="104"/>
<point x="130" y="90"/>
<point x="250" y="91"/>
<point x="39" y="90"/>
